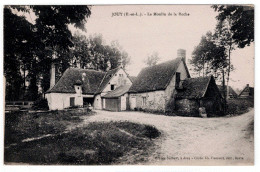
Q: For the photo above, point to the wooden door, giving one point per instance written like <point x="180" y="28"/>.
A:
<point x="72" y="101"/>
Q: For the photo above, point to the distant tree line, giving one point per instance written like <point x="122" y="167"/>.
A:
<point x="31" y="47"/>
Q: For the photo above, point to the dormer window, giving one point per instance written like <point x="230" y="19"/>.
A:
<point x="112" y="87"/>
<point x="78" y="87"/>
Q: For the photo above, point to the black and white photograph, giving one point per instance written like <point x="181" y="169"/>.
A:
<point x="169" y="85"/>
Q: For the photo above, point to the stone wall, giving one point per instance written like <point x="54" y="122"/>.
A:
<point x="213" y="106"/>
<point x="150" y="101"/>
<point x="186" y="107"/>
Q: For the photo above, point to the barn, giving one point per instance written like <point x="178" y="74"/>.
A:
<point x="201" y="92"/>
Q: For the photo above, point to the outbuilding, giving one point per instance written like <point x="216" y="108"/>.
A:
<point x="196" y="93"/>
<point x="247" y="92"/>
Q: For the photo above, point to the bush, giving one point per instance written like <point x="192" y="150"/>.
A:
<point x="239" y="106"/>
<point x="41" y="104"/>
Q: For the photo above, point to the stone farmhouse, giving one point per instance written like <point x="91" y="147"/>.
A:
<point x="166" y="87"/>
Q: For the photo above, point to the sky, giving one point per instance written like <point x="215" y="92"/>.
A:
<point x="142" y="35"/>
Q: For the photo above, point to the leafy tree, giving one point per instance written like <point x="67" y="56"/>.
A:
<point x="208" y="57"/>
<point x="212" y="55"/>
<point x="32" y="46"/>
<point x="224" y="37"/>
<point x="18" y="42"/>
<point x="92" y="52"/>
<point x="152" y="59"/>
<point x="241" y="22"/>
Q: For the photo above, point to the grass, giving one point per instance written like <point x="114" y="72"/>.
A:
<point x="22" y="125"/>
<point x="95" y="143"/>
<point x="239" y="106"/>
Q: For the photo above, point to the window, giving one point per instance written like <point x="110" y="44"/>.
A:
<point x="144" y="101"/>
<point x="178" y="79"/>
<point x="112" y="87"/>
<point x="121" y="75"/>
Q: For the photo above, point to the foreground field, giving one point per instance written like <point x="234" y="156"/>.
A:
<point x="93" y="143"/>
<point x="130" y="138"/>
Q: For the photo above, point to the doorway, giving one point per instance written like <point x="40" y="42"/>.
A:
<point x="72" y="101"/>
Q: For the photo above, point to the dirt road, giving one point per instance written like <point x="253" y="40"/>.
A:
<point x="194" y="141"/>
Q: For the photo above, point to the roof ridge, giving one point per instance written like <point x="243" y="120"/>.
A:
<point x="162" y="63"/>
<point x="80" y="69"/>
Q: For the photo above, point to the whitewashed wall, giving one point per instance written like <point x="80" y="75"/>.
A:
<point x="98" y="102"/>
<point x="59" y="101"/>
<point x="123" y="102"/>
<point x="117" y="81"/>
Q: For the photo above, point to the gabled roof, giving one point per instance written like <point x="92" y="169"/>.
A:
<point x="119" y="91"/>
<point x="90" y="79"/>
<point x="109" y="74"/>
<point x="194" y="87"/>
<point x="248" y="89"/>
<point x="231" y="90"/>
<point x="156" y="77"/>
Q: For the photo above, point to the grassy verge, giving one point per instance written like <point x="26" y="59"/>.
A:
<point x="22" y="125"/>
<point x="96" y="143"/>
<point x="239" y="106"/>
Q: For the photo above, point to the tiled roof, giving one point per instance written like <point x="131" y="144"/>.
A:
<point x="156" y="77"/>
<point x="119" y="91"/>
<point x="194" y="87"/>
<point x="90" y="79"/>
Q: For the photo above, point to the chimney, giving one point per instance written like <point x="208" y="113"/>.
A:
<point x="181" y="53"/>
<point x="247" y="85"/>
<point x="52" y="77"/>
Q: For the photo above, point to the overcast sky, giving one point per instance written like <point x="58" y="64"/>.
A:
<point x="141" y="36"/>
